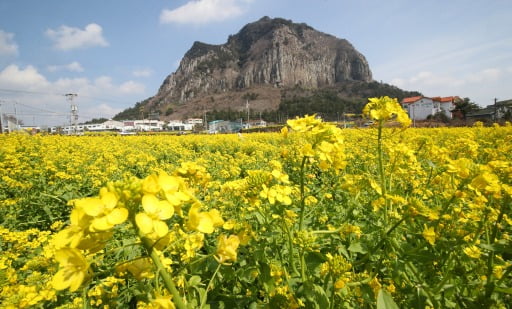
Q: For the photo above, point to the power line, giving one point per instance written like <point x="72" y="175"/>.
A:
<point x="59" y="94"/>
<point x="27" y="91"/>
<point x="42" y="110"/>
<point x="44" y="113"/>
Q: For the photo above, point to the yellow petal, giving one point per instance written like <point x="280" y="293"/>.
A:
<point x="150" y="203"/>
<point x="76" y="280"/>
<point x="150" y="185"/>
<point x="205" y="224"/>
<point x="117" y="216"/>
<point x="216" y="217"/>
<point x="91" y="206"/>
<point x="160" y="228"/>
<point x="144" y="222"/>
<point x="100" y="224"/>
<point x="76" y="238"/>
<point x="176" y="198"/>
<point x="109" y="199"/>
<point x="61" y="280"/>
<point x="199" y="221"/>
<point x="77" y="216"/>
<point x="63" y="255"/>
<point x="62" y="238"/>
<point x="168" y="183"/>
<point x="166" y="210"/>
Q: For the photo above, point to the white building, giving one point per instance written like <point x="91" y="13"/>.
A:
<point x="260" y="123"/>
<point x="143" y="125"/>
<point x="194" y="121"/>
<point x="109" y="125"/>
<point x="420" y="108"/>
<point x="177" y="125"/>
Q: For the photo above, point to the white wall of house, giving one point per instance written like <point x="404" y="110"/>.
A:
<point x="421" y="109"/>
<point x="194" y="121"/>
<point x="148" y="125"/>
<point x="113" y="125"/>
<point x="424" y="107"/>
<point x="175" y="125"/>
<point x="447" y="107"/>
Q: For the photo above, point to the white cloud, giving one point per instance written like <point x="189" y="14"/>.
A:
<point x="142" y="73"/>
<point x="435" y="79"/>
<point x="12" y="77"/>
<point x="491" y="74"/>
<point x="481" y="86"/>
<point x="131" y="87"/>
<point x="442" y="80"/>
<point x="204" y="11"/>
<point x="72" y="67"/>
<point x="7" y="45"/>
<point x="99" y="97"/>
<point x="104" y="82"/>
<point x="102" y="110"/>
<point x="67" y="38"/>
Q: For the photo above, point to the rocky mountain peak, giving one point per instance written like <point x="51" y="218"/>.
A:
<point x="271" y="52"/>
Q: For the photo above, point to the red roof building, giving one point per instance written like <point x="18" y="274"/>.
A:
<point x="420" y="107"/>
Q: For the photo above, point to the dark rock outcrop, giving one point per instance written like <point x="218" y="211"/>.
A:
<point x="270" y="53"/>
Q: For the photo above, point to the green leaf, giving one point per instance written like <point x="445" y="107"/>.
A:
<point x="248" y="274"/>
<point x="48" y="212"/>
<point x="316" y="296"/>
<point x="385" y="300"/>
<point x="356" y="247"/>
<point x="503" y="290"/>
<point x="496" y="247"/>
<point x="194" y="280"/>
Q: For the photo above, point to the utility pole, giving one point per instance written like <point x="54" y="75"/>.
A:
<point x="16" y="115"/>
<point x="413" y="116"/>
<point x="495" y="110"/>
<point x="1" y="119"/>
<point x="247" y="106"/>
<point x="74" y="111"/>
<point x="205" y="123"/>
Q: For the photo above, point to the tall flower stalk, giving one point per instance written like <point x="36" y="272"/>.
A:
<point x="383" y="110"/>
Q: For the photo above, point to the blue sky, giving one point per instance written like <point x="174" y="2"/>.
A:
<point x="115" y="53"/>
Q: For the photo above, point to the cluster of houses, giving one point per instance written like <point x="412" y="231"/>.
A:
<point x="418" y="108"/>
<point x="422" y="108"/>
<point x="111" y="125"/>
<point x="499" y="110"/>
<point x="146" y="125"/>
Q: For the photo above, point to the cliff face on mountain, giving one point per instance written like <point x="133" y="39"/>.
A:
<point x="270" y="54"/>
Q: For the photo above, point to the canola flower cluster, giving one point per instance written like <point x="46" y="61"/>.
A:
<point x="312" y="217"/>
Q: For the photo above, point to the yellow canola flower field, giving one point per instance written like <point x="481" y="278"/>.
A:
<point x="313" y="217"/>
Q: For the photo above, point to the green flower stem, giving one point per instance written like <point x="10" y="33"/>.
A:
<point x="320" y="232"/>
<point x="85" y="303"/>
<point x="302" y="197"/>
<point x="301" y="222"/>
<point x="382" y="176"/>
<point x="290" y="248"/>
<point x="203" y="300"/>
<point x="169" y="284"/>
<point x="424" y="287"/>
<point x="489" y="286"/>
<point x="379" y="245"/>
<point x="302" y="266"/>
<point x="447" y="273"/>
<point x="333" y="295"/>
